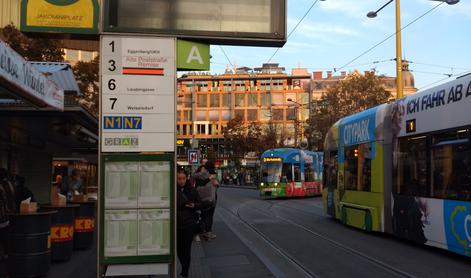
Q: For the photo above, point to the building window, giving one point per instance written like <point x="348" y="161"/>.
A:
<point x="72" y="55"/>
<point x="213" y="129"/>
<point x="277" y="98"/>
<point x="225" y="115"/>
<point x="252" y="100"/>
<point x="240" y="86"/>
<point x="251" y="114"/>
<point x="214" y="115"/>
<point x="265" y="114"/>
<point x="291" y="114"/>
<point x="265" y="99"/>
<point x="226" y="100"/>
<point x="214" y="100"/>
<point x="227" y="87"/>
<point x="239" y="113"/>
<point x="186" y="115"/>
<point x="201" y="129"/>
<point x="201" y="115"/>
<point x="277" y="114"/>
<point x="202" y="100"/>
<point x="239" y="100"/>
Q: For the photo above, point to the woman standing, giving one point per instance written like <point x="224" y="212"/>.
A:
<point x="187" y="204"/>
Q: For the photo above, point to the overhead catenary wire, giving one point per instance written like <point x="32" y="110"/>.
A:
<point x="294" y="29"/>
<point x="443" y="79"/>
<point x="439" y="66"/>
<point x="388" y="37"/>
<point x="224" y="52"/>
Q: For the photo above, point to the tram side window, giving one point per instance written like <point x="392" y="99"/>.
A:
<point x="286" y="173"/>
<point x="297" y="172"/>
<point x="411" y="162"/>
<point x="451" y="165"/>
<point x="330" y="170"/>
<point x="358" y="167"/>
<point x="309" y="172"/>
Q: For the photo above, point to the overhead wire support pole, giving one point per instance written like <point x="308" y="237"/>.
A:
<point x="399" y="83"/>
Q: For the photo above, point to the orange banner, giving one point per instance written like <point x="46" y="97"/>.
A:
<point x="84" y="224"/>
<point x="60" y="233"/>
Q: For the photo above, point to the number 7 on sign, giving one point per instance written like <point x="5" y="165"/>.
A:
<point x="113" y="102"/>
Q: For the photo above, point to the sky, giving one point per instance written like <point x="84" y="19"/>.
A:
<point x="337" y="31"/>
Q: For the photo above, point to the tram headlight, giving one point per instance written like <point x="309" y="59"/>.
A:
<point x="262" y="184"/>
<point x="276" y="184"/>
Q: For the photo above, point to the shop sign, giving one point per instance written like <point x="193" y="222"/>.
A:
<point x="60" y="233"/>
<point x="24" y="80"/>
<point x="138" y="100"/>
<point x="65" y="16"/>
<point x="192" y="55"/>
<point x="84" y="224"/>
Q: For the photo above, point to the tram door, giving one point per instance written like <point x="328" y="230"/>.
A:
<point x="330" y="181"/>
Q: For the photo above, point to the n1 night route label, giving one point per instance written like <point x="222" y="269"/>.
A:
<point x="122" y="122"/>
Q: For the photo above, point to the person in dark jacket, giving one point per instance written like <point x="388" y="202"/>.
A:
<point x="187" y="204"/>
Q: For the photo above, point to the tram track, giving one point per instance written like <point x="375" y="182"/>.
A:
<point x="382" y="265"/>
<point x="276" y="247"/>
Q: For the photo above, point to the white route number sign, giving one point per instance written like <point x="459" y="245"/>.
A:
<point x="138" y="94"/>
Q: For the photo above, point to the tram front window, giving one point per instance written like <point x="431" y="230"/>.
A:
<point x="271" y="172"/>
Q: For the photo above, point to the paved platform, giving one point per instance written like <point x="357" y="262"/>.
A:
<point x="225" y="256"/>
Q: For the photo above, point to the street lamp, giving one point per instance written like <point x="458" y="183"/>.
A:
<point x="373" y="14"/>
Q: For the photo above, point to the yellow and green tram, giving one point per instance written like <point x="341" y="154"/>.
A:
<point x="289" y="172"/>
<point x="404" y="168"/>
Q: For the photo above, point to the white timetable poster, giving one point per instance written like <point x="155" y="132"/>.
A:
<point x="155" y="184"/>
<point x="138" y="94"/>
<point x="154" y="232"/>
<point x="121" y="184"/>
<point x="137" y="208"/>
<point x="121" y="235"/>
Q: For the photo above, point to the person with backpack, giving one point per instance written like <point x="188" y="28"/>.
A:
<point x="206" y="185"/>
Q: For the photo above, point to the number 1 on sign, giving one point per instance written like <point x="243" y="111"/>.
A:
<point x="112" y="46"/>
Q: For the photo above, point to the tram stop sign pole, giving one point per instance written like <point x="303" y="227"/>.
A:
<point x="141" y="50"/>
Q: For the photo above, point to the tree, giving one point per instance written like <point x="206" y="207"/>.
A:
<point x="32" y="49"/>
<point x="273" y="136"/>
<point x="87" y="76"/>
<point x="241" y="140"/>
<point x="351" y="95"/>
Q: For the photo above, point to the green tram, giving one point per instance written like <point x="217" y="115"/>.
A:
<point x="290" y="172"/>
<point x="404" y="168"/>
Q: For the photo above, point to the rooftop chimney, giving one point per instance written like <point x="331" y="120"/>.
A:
<point x="329" y="74"/>
<point x="317" y="75"/>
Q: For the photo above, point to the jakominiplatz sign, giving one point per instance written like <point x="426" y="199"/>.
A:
<point x="65" y="16"/>
<point x="26" y="81"/>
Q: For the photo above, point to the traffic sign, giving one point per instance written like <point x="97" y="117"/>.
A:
<point x="193" y="158"/>
<point x="138" y="94"/>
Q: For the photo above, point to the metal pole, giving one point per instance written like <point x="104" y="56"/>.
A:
<point x="399" y="83"/>
<point x="302" y="123"/>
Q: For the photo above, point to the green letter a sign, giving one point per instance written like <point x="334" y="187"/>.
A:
<point x="192" y="55"/>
